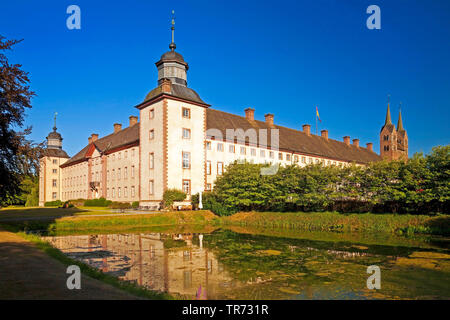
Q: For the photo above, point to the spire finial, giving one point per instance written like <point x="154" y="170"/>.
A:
<point x="54" y="127"/>
<point x="388" y="113"/>
<point x="400" y="121"/>
<point x="172" y="45"/>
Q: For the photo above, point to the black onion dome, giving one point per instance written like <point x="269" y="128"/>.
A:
<point x="172" y="56"/>
<point x="54" y="135"/>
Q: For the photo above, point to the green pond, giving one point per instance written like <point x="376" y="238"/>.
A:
<point x="243" y="263"/>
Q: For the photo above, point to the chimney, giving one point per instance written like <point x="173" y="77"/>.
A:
<point x="356" y="142"/>
<point x="307" y="129"/>
<point x="250" y="114"/>
<point x="369" y="146"/>
<point x="269" y="119"/>
<point x="347" y="140"/>
<point x="117" y="127"/>
<point x="90" y="140"/>
<point x="133" y="120"/>
<point x="324" y="134"/>
<point x="166" y="85"/>
<point x="94" y="137"/>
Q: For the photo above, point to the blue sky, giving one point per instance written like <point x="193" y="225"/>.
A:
<point x="281" y="57"/>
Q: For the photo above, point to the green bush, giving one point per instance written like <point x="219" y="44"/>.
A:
<point x="55" y="203"/>
<point x="135" y="204"/>
<point x="209" y="201"/>
<point x="119" y="205"/>
<point x="172" y="195"/>
<point x="419" y="186"/>
<point x="100" y="202"/>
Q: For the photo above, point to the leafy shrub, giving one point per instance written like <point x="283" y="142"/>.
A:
<point x="172" y="195"/>
<point x="209" y="201"/>
<point x="135" y="204"/>
<point x="100" y="202"/>
<point x="55" y="203"/>
<point x="119" y="205"/>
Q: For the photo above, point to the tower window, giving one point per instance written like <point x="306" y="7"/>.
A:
<point x="187" y="186"/>
<point x="186" y="160"/>
<point x="186" y="113"/>
<point x="152" y="113"/>
<point x="186" y="133"/>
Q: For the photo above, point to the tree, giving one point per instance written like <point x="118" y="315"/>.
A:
<point x="18" y="156"/>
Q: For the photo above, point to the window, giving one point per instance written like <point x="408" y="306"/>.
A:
<point x="295" y="158"/>
<point x="186" y="133"/>
<point x="243" y="150"/>
<point x="253" y="152"/>
<point x="114" y="157"/>
<point x="126" y="154"/>
<point x="118" y="174"/>
<point x="118" y="192"/>
<point x="132" y="172"/>
<point x="208" y="187"/>
<point x="271" y="154"/>
<point x="151" y="160"/>
<point x="262" y="153"/>
<point x="119" y="156"/>
<point x="54" y="195"/>
<point x="151" y="134"/>
<point x="280" y="156"/>
<point x="231" y="148"/>
<point x="132" y="153"/>
<point x="219" y="168"/>
<point x="186" y="113"/>
<point x="208" y="145"/>
<point x="208" y="167"/>
<point x="55" y="171"/>
<point x="187" y="186"/>
<point x="288" y="157"/>
<point x="125" y="192"/>
<point x="310" y="160"/>
<point x="220" y="147"/>
<point x="125" y="173"/>
<point x="132" y="191"/>
<point x="107" y="192"/>
<point x="151" y="186"/>
<point x="113" y="174"/>
<point x="113" y="192"/>
<point x="317" y="160"/>
<point x="186" y="160"/>
<point x="303" y="159"/>
<point x="152" y="113"/>
<point x="54" y="182"/>
<point x="55" y="161"/>
<point x="107" y="175"/>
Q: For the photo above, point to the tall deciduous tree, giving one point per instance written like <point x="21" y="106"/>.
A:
<point x="18" y="156"/>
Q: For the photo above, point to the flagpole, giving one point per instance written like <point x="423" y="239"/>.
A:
<point x="316" y="123"/>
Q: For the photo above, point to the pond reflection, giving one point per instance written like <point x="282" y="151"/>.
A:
<point x="229" y="265"/>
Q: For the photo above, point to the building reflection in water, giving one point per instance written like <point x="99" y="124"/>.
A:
<point x="161" y="262"/>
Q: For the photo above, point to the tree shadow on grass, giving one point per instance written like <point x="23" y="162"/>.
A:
<point x="34" y="219"/>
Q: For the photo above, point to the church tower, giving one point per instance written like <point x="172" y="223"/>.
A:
<point x="393" y="142"/>
<point x="402" y="138"/>
<point x="50" y="177"/>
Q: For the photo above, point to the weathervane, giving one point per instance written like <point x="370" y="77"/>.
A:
<point x="54" y="128"/>
<point x="172" y="45"/>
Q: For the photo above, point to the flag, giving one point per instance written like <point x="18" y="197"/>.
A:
<point x="317" y="114"/>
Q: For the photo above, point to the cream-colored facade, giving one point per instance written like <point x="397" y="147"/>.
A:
<point x="178" y="144"/>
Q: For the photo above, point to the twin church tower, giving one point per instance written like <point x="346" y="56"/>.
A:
<point x="393" y="141"/>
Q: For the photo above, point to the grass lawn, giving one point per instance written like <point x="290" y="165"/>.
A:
<point x="337" y="222"/>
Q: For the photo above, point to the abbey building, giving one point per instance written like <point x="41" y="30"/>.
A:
<point x="180" y="141"/>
